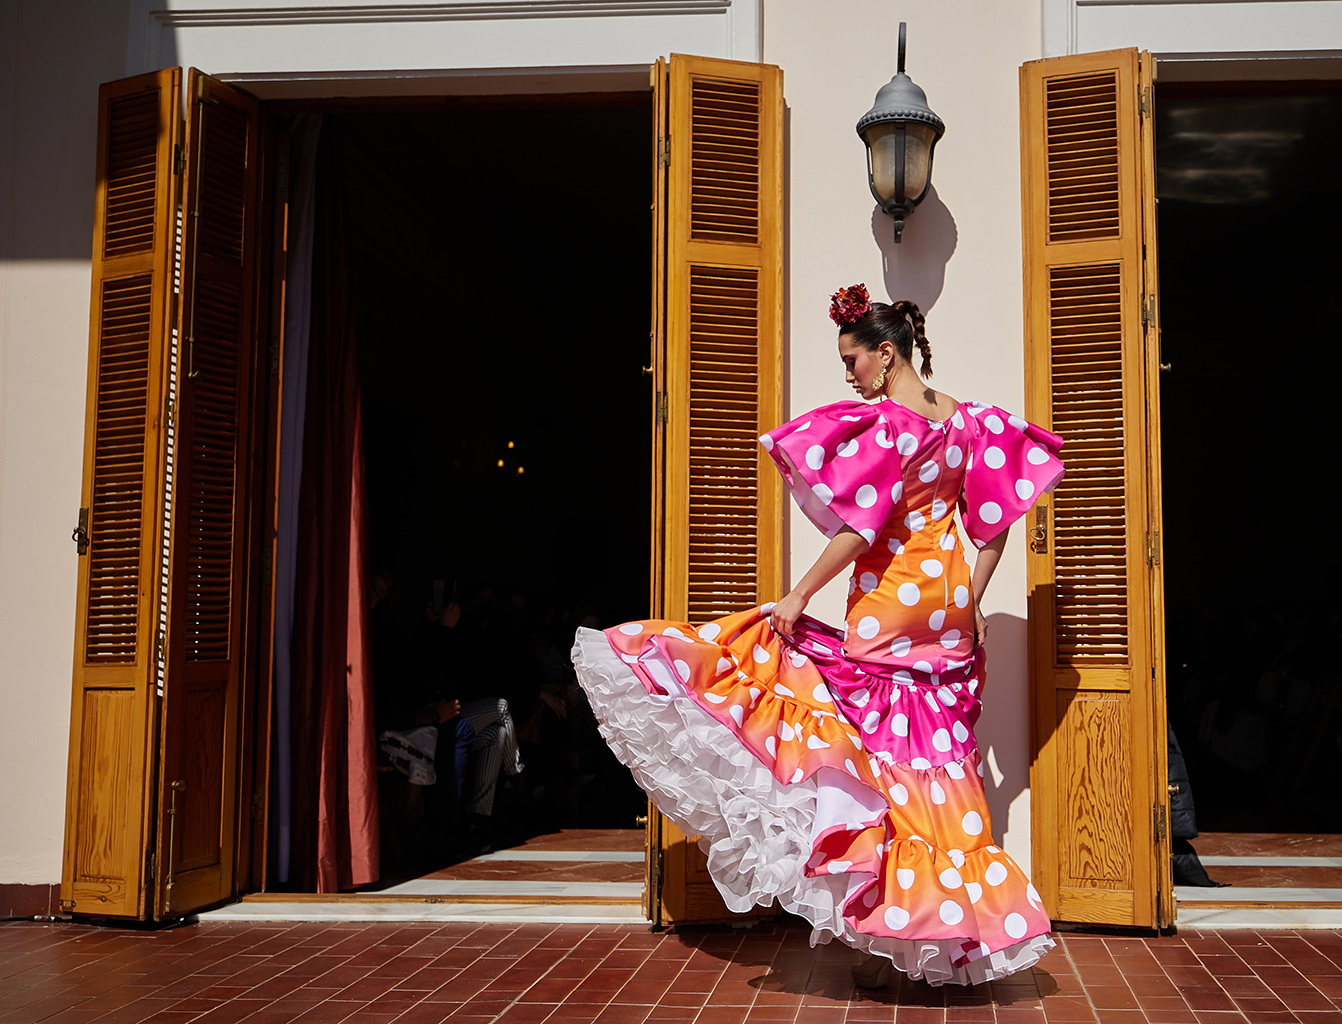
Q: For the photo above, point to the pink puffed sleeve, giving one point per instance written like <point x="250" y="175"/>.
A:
<point x="1011" y="463"/>
<point x="841" y="466"/>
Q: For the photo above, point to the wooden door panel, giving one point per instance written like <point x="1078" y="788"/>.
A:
<point x="198" y="790"/>
<point x="109" y="783"/>
<point x="720" y="371"/>
<point x="1097" y="692"/>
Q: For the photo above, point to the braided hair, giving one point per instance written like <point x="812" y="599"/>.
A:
<point x="900" y="323"/>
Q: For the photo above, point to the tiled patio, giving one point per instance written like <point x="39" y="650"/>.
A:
<point x="574" y="974"/>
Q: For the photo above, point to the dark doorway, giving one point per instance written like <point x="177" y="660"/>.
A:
<point x="1249" y="267"/>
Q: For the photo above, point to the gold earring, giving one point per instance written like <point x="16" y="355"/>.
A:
<point x="879" y="382"/>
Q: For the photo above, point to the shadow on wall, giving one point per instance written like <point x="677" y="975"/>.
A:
<point x="916" y="267"/>
<point x="1003" y="729"/>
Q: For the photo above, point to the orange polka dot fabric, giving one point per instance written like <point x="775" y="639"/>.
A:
<point x="854" y="746"/>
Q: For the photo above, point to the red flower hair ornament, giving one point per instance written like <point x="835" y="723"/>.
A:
<point x="849" y="305"/>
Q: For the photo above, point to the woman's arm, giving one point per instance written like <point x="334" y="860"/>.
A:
<point x="984" y="567"/>
<point x="839" y="553"/>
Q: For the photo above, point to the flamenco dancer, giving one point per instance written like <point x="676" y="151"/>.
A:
<point x="835" y="771"/>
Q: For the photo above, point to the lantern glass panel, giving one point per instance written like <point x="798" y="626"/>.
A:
<point x="881" y="156"/>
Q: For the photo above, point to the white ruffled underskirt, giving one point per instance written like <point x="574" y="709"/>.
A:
<point x="755" y="831"/>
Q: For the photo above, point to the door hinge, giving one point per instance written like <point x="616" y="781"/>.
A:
<point x="1153" y="548"/>
<point x="81" y="533"/>
<point x="1158" y="823"/>
<point x="660" y="409"/>
<point x="1148" y="310"/>
<point x="68" y="906"/>
<point x="1144" y="100"/>
<point x="663" y="151"/>
<point x="150" y="870"/>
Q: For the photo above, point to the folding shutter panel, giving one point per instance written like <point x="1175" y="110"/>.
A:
<point x="198" y="794"/>
<point x="723" y="381"/>
<point x="1098" y="708"/>
<point x="108" y="803"/>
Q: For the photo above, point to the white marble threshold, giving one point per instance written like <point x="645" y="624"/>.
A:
<point x="1255" y="894"/>
<point x="1244" y="917"/>
<point x="584" y="856"/>
<point x="514" y="887"/>
<point x="1270" y="862"/>
<point x="371" y="910"/>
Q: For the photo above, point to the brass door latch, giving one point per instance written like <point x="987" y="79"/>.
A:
<point x="1039" y="531"/>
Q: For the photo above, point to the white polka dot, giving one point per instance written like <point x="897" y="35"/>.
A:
<point x="904" y="876"/>
<point x="710" y="630"/>
<point x="996" y="873"/>
<point x="821" y="694"/>
<point x="783" y="691"/>
<point x="947" y="542"/>
<point x="710" y="696"/>
<point x="950" y="639"/>
<point x="994" y="458"/>
<point x="852" y="768"/>
<point x="768" y="443"/>
<point x="903" y="676"/>
<point x="738" y="714"/>
<point x="978" y="544"/>
<point x="895" y="545"/>
<point x="937" y="793"/>
<point x="798" y="775"/>
<point x="771" y="745"/>
<point x="629" y="659"/>
<point x="869" y="897"/>
<point x="920" y="763"/>
<point x="972" y="823"/>
<point x="939" y="509"/>
<point x="786" y="731"/>
<point x="896" y="918"/>
<point x="1024" y="490"/>
<point x="1032" y="894"/>
<point x="954" y="455"/>
<point x="994" y="423"/>
<point x="798" y="659"/>
<point x="1015" y="925"/>
<point x="883" y="438"/>
<point x="897" y="492"/>
<point x="941" y="739"/>
<point x="823" y="493"/>
<point x="961" y="597"/>
<point x="947" y="696"/>
<point x="851" y="419"/>
<point x="931" y="567"/>
<point x="866" y="496"/>
<point x="860" y="697"/>
<point x="954" y="769"/>
<point x="1036" y="456"/>
<point x="980" y="769"/>
<point x="951" y="879"/>
<point x="922" y="666"/>
<point x="632" y="628"/>
<point x="760" y="654"/>
<point x="755" y="692"/>
<point x="854" y="739"/>
<point x="937" y="618"/>
<point x="816" y="743"/>
<point x="870" y="723"/>
<point x="932" y="702"/>
<point x="900" y="724"/>
<point x="868" y="581"/>
<point x="952" y="912"/>
<point x="848" y="449"/>
<point x="868" y="627"/>
<point x="928" y="471"/>
<point x="1017" y="422"/>
<point x="974" y="890"/>
<point x="815" y="456"/>
<point x="838" y="867"/>
<point x="915" y="521"/>
<point x="906" y="443"/>
<point x="674" y="633"/>
<point x="909" y="595"/>
<point x="990" y="512"/>
<point x="958" y="420"/>
<point x="683" y="670"/>
<point x="900" y="646"/>
<point x="868" y="535"/>
<point x="960" y="731"/>
<point x="992" y="849"/>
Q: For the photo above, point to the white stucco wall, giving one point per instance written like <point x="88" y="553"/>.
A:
<point x="960" y="260"/>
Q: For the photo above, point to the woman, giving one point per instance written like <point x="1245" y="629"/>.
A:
<point x="834" y="770"/>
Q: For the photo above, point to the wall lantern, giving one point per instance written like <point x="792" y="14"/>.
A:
<point x="900" y="131"/>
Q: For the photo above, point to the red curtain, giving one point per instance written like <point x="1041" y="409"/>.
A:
<point x="335" y="786"/>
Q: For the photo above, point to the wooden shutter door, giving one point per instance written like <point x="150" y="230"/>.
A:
<point x="198" y="783"/>
<point x="723" y="375"/>
<point x="112" y="743"/>
<point x="1097" y="782"/>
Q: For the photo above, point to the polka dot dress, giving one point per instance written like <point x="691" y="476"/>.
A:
<point x="871" y="725"/>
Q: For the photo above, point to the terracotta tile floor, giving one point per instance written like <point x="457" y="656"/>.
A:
<point x="575" y="974"/>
